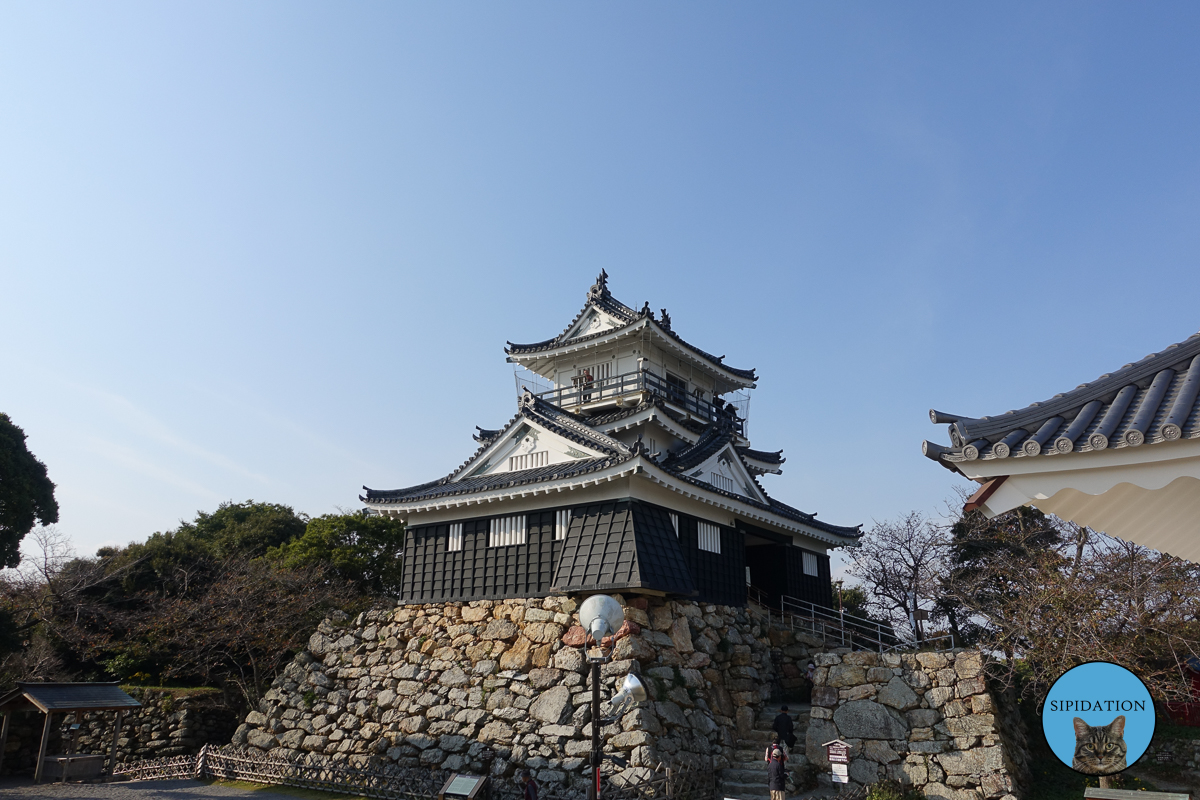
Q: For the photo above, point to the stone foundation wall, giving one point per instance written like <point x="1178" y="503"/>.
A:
<point x="167" y="724"/>
<point x="926" y="719"/>
<point x="493" y="686"/>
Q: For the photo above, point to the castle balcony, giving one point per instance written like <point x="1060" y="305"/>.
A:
<point x="587" y="395"/>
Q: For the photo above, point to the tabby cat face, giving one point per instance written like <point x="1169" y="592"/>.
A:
<point x="1099" y="750"/>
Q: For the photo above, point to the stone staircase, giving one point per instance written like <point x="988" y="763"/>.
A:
<point x="746" y="778"/>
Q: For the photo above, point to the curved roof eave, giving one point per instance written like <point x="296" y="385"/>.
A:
<point x="745" y="378"/>
<point x="1149" y="401"/>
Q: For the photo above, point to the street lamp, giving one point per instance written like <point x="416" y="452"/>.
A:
<point x="601" y="615"/>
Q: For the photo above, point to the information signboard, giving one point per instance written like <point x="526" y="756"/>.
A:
<point x="838" y="753"/>
<point x="462" y="787"/>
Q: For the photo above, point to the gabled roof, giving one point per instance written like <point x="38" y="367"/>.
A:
<point x="1151" y="401"/>
<point x="601" y="299"/>
<point x="611" y="453"/>
<point x="59" y="697"/>
<point x="605" y="449"/>
<point x="482" y="483"/>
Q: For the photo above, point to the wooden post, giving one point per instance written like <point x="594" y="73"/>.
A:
<point x="112" y="753"/>
<point x="37" y="773"/>
<point x="4" y="737"/>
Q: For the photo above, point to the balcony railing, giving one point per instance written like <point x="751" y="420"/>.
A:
<point x="584" y="393"/>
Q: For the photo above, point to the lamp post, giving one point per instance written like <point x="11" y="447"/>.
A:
<point x="600" y="615"/>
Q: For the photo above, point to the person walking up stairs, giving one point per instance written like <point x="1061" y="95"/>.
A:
<point x="746" y="779"/>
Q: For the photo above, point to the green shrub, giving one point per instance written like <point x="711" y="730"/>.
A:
<point x="893" y="790"/>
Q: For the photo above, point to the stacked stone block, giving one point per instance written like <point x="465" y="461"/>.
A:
<point x="493" y="686"/>
<point x="925" y="719"/>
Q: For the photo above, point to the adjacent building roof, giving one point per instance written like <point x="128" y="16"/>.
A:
<point x="1151" y="401"/>
<point x="64" y="697"/>
<point x="600" y="298"/>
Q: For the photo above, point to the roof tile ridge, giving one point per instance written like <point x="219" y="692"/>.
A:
<point x="573" y="468"/>
<point x="972" y="428"/>
<point x="571" y="426"/>
<point x="772" y="505"/>
<point x="750" y="374"/>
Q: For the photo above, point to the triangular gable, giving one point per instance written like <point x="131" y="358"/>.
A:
<point x="725" y="470"/>
<point x="593" y="320"/>
<point x="525" y="444"/>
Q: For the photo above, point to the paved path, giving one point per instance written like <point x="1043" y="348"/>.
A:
<point x="24" y="788"/>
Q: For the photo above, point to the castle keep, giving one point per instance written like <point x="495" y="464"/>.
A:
<point x="628" y="468"/>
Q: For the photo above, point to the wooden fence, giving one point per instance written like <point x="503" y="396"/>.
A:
<point x="390" y="782"/>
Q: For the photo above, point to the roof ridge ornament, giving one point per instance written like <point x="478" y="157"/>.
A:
<point x="599" y="289"/>
<point x="666" y="320"/>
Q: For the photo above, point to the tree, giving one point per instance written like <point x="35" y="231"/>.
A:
<point x="987" y="555"/>
<point x="902" y="564"/>
<point x="1048" y="595"/>
<point x="26" y="492"/>
<point x="366" y="550"/>
<point x="244" y="626"/>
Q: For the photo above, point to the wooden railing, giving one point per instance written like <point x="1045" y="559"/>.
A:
<point x="392" y="782"/>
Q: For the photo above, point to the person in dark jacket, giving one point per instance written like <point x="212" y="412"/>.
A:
<point x="777" y="776"/>
<point x="529" y="787"/>
<point x="784" y="726"/>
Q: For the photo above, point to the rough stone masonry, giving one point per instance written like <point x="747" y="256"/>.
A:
<point x="928" y="719"/>
<point x="492" y="686"/>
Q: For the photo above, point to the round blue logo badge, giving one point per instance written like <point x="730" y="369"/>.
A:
<point x="1098" y="718"/>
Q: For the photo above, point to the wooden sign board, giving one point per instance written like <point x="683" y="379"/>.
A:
<point x="837" y="751"/>
<point x="462" y="786"/>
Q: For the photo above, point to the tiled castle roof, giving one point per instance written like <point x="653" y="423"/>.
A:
<point x="600" y="297"/>
<point x="1151" y="401"/>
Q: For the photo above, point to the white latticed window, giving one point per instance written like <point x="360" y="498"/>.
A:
<point x="562" y="521"/>
<point x="528" y="460"/>
<point x="507" y="530"/>
<point x="675" y="523"/>
<point x="722" y="482"/>
<point x="710" y="537"/>
<point x="456" y="541"/>
<point x="810" y="563"/>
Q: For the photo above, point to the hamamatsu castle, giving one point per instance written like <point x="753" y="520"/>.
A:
<point x="626" y="469"/>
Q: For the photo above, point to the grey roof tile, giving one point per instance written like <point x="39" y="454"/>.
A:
<point x="1154" y="400"/>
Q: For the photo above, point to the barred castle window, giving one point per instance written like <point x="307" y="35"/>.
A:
<point x="810" y="563"/>
<point x="507" y="530"/>
<point x="562" y="521"/>
<point x="456" y="537"/>
<point x="709" y="537"/>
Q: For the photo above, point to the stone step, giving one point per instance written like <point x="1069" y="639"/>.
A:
<point x="745" y="791"/>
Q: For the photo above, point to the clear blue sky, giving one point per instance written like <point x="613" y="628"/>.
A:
<point x="274" y="250"/>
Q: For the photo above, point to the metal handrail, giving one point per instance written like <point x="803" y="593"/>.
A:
<point x="627" y="383"/>
<point x="835" y="626"/>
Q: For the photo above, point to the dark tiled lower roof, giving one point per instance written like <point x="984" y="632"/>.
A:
<point x="710" y="442"/>
<point x="764" y="456"/>
<point x="1153" y="400"/>
<point x="483" y="483"/>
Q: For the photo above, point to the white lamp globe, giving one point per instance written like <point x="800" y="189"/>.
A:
<point x="601" y="615"/>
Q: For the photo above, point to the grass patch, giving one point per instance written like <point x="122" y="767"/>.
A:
<point x="306" y="794"/>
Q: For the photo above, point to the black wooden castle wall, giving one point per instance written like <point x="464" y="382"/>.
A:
<point x="478" y="572"/>
<point x="720" y="577"/>
<point x="610" y="546"/>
